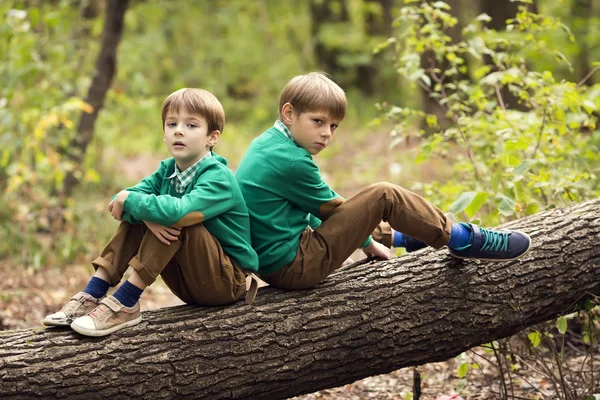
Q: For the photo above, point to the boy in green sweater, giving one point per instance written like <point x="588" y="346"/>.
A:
<point x="302" y="230"/>
<point x="187" y="222"/>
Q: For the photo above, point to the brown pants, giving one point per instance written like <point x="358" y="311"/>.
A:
<point x="194" y="267"/>
<point x="323" y="250"/>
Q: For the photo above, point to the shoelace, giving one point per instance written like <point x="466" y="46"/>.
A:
<point x="494" y="240"/>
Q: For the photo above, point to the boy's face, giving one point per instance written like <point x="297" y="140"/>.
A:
<point x="311" y="130"/>
<point x="187" y="137"/>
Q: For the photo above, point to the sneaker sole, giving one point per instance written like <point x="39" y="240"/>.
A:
<point x="104" y="332"/>
<point x="498" y="259"/>
<point x="57" y="323"/>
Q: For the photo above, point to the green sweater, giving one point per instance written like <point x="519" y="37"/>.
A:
<point x="213" y="198"/>
<point x="285" y="193"/>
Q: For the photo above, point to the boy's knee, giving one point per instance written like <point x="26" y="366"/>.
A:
<point x="194" y="231"/>
<point x="383" y="187"/>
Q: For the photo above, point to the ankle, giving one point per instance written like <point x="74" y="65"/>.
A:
<point x="128" y="294"/>
<point x="460" y="236"/>
<point x="97" y="287"/>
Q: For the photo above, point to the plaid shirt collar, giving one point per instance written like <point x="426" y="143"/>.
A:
<point x="280" y="126"/>
<point x="184" y="178"/>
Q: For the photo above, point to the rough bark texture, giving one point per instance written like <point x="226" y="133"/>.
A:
<point x="106" y="65"/>
<point x="364" y="320"/>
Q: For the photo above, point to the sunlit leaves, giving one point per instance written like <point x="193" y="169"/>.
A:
<point x="511" y="156"/>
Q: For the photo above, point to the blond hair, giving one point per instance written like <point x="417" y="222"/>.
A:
<point x="196" y="101"/>
<point x="314" y="92"/>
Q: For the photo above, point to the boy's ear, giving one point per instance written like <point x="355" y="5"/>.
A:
<point x="286" y="113"/>
<point x="213" y="137"/>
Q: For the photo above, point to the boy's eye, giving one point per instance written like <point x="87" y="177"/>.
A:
<point x="171" y="124"/>
<point x="318" y="121"/>
<point x="192" y="125"/>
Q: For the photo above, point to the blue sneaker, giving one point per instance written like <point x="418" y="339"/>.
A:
<point x="492" y="245"/>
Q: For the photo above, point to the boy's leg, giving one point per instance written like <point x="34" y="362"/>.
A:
<point x="120" y="250"/>
<point x="111" y="315"/>
<point x="324" y="250"/>
<point x="110" y="267"/>
<point x="383" y="233"/>
<point x="201" y="272"/>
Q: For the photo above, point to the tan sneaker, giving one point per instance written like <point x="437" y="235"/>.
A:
<point x="79" y="305"/>
<point x="108" y="317"/>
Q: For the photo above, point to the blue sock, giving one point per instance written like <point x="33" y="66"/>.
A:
<point x="398" y="239"/>
<point x="128" y="294"/>
<point x="97" y="287"/>
<point x="460" y="236"/>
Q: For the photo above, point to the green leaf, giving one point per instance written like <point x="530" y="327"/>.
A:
<point x="408" y="396"/>
<point x="462" y="202"/>
<point x="535" y="338"/>
<point x="561" y="324"/>
<point x="462" y="370"/>
<point x="484" y="17"/>
<point x="587" y="304"/>
<point x="476" y="204"/>
<point x="524" y="166"/>
<point x="506" y="206"/>
<point x="441" y="5"/>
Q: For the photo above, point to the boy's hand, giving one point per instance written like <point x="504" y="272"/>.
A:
<point x="378" y="250"/>
<point x="163" y="233"/>
<point x="115" y="207"/>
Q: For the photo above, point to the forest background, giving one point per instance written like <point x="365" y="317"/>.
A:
<point x="487" y="108"/>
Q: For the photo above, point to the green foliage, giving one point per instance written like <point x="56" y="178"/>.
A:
<point x="45" y="71"/>
<point x="241" y="51"/>
<point x="509" y="160"/>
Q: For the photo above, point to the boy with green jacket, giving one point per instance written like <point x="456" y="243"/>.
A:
<point x="187" y="222"/>
<point x="302" y="230"/>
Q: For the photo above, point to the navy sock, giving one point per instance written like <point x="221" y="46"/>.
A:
<point x="97" y="287"/>
<point x="460" y="236"/>
<point x="398" y="239"/>
<point x="128" y="294"/>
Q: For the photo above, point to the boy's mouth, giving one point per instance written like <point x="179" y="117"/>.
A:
<point x="320" y="145"/>
<point x="178" y="143"/>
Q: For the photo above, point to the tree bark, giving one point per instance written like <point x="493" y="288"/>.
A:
<point x="364" y="320"/>
<point x="106" y="65"/>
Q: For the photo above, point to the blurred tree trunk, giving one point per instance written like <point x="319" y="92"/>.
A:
<point x="428" y="62"/>
<point x="323" y="13"/>
<point x="582" y="10"/>
<point x="362" y="321"/>
<point x="377" y="24"/>
<point x="106" y="65"/>
<point x="500" y="11"/>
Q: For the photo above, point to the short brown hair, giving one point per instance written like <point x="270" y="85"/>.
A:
<point x="314" y="92"/>
<point x="197" y="101"/>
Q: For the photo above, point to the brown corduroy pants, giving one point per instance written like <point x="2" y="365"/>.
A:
<point x="324" y="249"/>
<point x="194" y="267"/>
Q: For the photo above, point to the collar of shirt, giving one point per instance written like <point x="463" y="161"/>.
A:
<point x="280" y="126"/>
<point x="184" y="178"/>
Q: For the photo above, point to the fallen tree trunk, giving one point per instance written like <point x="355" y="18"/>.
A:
<point x="363" y="321"/>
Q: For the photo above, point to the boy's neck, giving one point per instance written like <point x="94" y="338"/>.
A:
<point x="183" y="165"/>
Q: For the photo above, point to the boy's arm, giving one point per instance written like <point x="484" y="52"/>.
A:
<point x="212" y="195"/>
<point x="149" y="185"/>
<point x="307" y="189"/>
